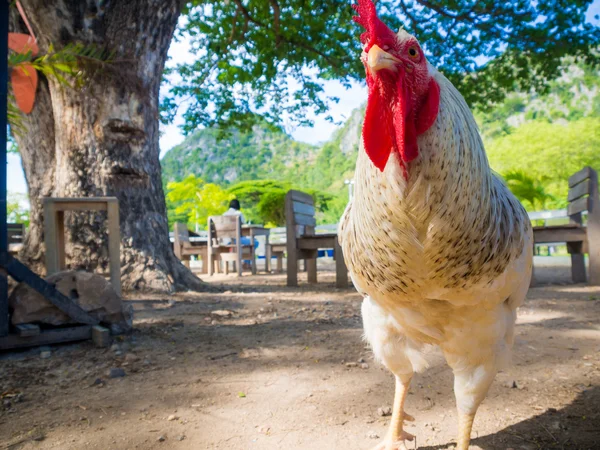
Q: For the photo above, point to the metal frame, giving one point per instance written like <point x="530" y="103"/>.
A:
<point x="3" y="161"/>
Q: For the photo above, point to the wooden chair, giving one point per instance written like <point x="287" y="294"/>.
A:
<point x="580" y="238"/>
<point x="224" y="243"/>
<point x="303" y="243"/>
<point x="16" y="235"/>
<point x="277" y="247"/>
<point x="183" y="248"/>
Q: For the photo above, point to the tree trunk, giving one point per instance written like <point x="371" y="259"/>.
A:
<point x="106" y="137"/>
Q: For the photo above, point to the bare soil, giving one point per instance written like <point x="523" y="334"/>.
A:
<point x="285" y="370"/>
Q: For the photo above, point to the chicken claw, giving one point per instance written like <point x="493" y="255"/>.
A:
<point x="397" y="445"/>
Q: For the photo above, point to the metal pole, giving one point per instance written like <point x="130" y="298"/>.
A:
<point x="3" y="131"/>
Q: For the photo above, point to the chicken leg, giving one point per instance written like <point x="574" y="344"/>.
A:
<point x="396" y="435"/>
<point x="470" y="388"/>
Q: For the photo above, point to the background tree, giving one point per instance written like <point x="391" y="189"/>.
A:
<point x="272" y="56"/>
<point x="527" y="189"/>
<point x="196" y="200"/>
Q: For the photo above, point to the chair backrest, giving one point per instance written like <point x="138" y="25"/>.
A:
<point x="277" y="235"/>
<point x="222" y="227"/>
<point x="16" y="233"/>
<point x="583" y="193"/>
<point x="181" y="237"/>
<point x="299" y="214"/>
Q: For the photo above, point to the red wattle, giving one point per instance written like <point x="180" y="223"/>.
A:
<point x="378" y="137"/>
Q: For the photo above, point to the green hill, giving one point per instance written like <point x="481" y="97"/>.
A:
<point x="260" y="154"/>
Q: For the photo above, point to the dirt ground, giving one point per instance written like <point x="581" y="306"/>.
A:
<point x="263" y="366"/>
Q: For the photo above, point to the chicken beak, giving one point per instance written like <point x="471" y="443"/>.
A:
<point x="378" y="59"/>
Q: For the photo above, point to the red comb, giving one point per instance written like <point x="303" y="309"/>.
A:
<point x="367" y="18"/>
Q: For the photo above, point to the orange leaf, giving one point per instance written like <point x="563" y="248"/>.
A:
<point x="24" y="80"/>
<point x="22" y="43"/>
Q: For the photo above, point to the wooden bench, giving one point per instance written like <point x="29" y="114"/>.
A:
<point x="224" y="243"/>
<point x="184" y="249"/>
<point x="580" y="238"/>
<point x="16" y="235"/>
<point x="303" y="243"/>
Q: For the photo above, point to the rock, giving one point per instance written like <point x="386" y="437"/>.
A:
<point x="364" y="366"/>
<point x="116" y="372"/>
<point x="222" y="313"/>
<point x="361" y="360"/>
<point x="131" y="357"/>
<point x="372" y="435"/>
<point x="181" y="438"/>
<point x="162" y="438"/>
<point x="351" y="364"/>
<point x="384" y="411"/>
<point x="90" y="291"/>
<point x="172" y="417"/>
<point x="45" y="352"/>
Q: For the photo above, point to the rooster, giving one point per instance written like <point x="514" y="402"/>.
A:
<point x="434" y="241"/>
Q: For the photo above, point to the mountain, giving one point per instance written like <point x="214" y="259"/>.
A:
<point x="259" y="154"/>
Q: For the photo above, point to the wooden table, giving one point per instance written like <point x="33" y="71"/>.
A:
<point x="54" y="232"/>
<point x="252" y="231"/>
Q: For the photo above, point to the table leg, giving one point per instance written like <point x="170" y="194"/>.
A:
<point x="253" y="252"/>
<point x="267" y="254"/>
<point x="114" y="246"/>
<point x="52" y="262"/>
<point x="60" y="240"/>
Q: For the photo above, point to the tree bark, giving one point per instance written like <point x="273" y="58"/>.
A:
<point x="106" y="137"/>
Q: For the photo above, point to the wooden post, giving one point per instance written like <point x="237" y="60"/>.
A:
<point x="341" y="271"/>
<point x="252" y="252"/>
<point x="267" y="254"/>
<point x="593" y="230"/>
<point x="114" y="244"/>
<point x="238" y="239"/>
<point x="291" y="246"/>
<point x="211" y="267"/>
<point x="310" y="264"/>
<point x="50" y="234"/>
<point x="577" y="261"/>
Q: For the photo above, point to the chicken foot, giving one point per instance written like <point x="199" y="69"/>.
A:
<point x="396" y="435"/>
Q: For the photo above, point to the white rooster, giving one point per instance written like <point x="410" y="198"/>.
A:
<point x="438" y="246"/>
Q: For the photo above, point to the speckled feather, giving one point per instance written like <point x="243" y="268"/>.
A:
<point x="447" y="246"/>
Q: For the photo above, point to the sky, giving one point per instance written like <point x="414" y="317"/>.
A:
<point x="320" y="132"/>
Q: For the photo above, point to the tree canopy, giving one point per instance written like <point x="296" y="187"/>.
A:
<point x="272" y="57"/>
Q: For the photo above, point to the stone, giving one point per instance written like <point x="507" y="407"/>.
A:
<point x="351" y="364"/>
<point x="384" y="411"/>
<point x="172" y="417"/>
<point x="116" y="372"/>
<point x="372" y="435"/>
<point x="131" y="358"/>
<point x="90" y="291"/>
<point x="162" y="438"/>
<point x="222" y="313"/>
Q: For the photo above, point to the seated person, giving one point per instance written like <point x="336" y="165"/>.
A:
<point x="234" y="210"/>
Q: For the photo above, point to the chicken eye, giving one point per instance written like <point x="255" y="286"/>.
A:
<point x="386" y="47"/>
<point x="413" y="53"/>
